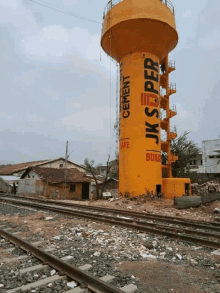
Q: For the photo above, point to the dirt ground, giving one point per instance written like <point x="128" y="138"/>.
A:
<point x="162" y="277"/>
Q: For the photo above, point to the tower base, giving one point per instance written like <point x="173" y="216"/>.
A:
<point x="176" y="187"/>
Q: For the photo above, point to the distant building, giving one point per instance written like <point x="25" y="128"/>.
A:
<point x="4" y="186"/>
<point x="114" y="168"/>
<point x="195" y="164"/>
<point x="211" y="156"/>
<point x="13" y="183"/>
<point x="208" y="161"/>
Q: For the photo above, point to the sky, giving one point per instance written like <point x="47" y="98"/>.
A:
<point x="58" y="85"/>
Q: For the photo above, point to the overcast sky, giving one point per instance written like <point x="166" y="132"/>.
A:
<point x="55" y="88"/>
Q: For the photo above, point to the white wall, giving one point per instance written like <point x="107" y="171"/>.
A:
<point x="57" y="163"/>
<point x="29" y="186"/>
<point x="211" y="164"/>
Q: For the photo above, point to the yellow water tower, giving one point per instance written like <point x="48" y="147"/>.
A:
<point x="139" y="34"/>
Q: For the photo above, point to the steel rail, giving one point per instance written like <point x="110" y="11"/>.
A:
<point x="129" y="223"/>
<point x="161" y="218"/>
<point x="82" y="277"/>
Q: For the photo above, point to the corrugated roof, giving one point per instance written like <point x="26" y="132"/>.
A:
<point x="53" y="175"/>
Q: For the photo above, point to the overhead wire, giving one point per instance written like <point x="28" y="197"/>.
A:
<point x="64" y="11"/>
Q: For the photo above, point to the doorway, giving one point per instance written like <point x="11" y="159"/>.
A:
<point x="187" y="189"/>
<point x="158" y="190"/>
<point x="85" y="190"/>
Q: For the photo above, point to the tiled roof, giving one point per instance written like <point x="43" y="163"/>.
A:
<point x="10" y="170"/>
<point x="53" y="175"/>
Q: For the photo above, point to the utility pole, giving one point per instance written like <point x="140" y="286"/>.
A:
<point x="66" y="156"/>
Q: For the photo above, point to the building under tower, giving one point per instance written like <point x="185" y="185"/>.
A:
<point x="139" y="35"/>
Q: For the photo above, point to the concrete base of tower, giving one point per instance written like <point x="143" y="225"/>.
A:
<point x="174" y="187"/>
<point x="155" y="189"/>
<point x="170" y="188"/>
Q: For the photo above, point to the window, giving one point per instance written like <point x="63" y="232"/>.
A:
<point x="201" y="162"/>
<point x="61" y="165"/>
<point x="72" y="188"/>
<point x="211" y="157"/>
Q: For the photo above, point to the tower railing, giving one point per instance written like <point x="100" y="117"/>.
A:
<point x="163" y="113"/>
<point x="163" y="136"/>
<point x="173" y="129"/>
<point x="172" y="86"/>
<point x="172" y="64"/>
<point x="173" y="108"/>
<point x="112" y="3"/>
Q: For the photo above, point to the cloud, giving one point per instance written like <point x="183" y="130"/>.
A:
<point x="95" y="120"/>
<point x="69" y="2"/>
<point x="28" y="77"/>
<point x="34" y="118"/>
<point x="210" y="41"/>
<point x="184" y="120"/>
<point x="187" y="13"/>
<point x="3" y="114"/>
<point x="55" y="42"/>
<point x="76" y="105"/>
<point x="15" y="14"/>
<point x="52" y="94"/>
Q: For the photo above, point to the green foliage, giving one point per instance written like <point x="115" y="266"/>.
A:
<point x="185" y="149"/>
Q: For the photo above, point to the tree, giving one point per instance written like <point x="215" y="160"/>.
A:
<point x="94" y="170"/>
<point x="185" y="149"/>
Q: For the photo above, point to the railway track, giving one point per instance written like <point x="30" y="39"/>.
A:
<point x="200" y="233"/>
<point x="84" y="281"/>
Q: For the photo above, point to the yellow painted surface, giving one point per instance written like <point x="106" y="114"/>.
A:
<point x="139" y="147"/>
<point x="175" y="187"/>
<point x="138" y="25"/>
<point x="139" y="34"/>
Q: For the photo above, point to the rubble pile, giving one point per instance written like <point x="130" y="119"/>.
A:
<point x="205" y="188"/>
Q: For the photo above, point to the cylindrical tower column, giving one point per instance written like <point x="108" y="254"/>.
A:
<point x="139" y="34"/>
<point x="139" y="149"/>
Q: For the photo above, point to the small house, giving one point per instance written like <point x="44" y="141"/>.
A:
<point x="4" y="186"/>
<point x="55" y="183"/>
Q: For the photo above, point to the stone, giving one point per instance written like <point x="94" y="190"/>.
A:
<point x="1" y="285"/>
<point x="216" y="211"/>
<point x="216" y="252"/>
<point x="53" y="272"/>
<point x="163" y="253"/>
<point x="85" y="267"/>
<point x="129" y="288"/>
<point x="72" y="284"/>
<point x="97" y="253"/>
<point x="37" y="284"/>
<point x="150" y="256"/>
<point x="179" y="256"/>
<point x="107" y="278"/>
<point x="148" y="244"/>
